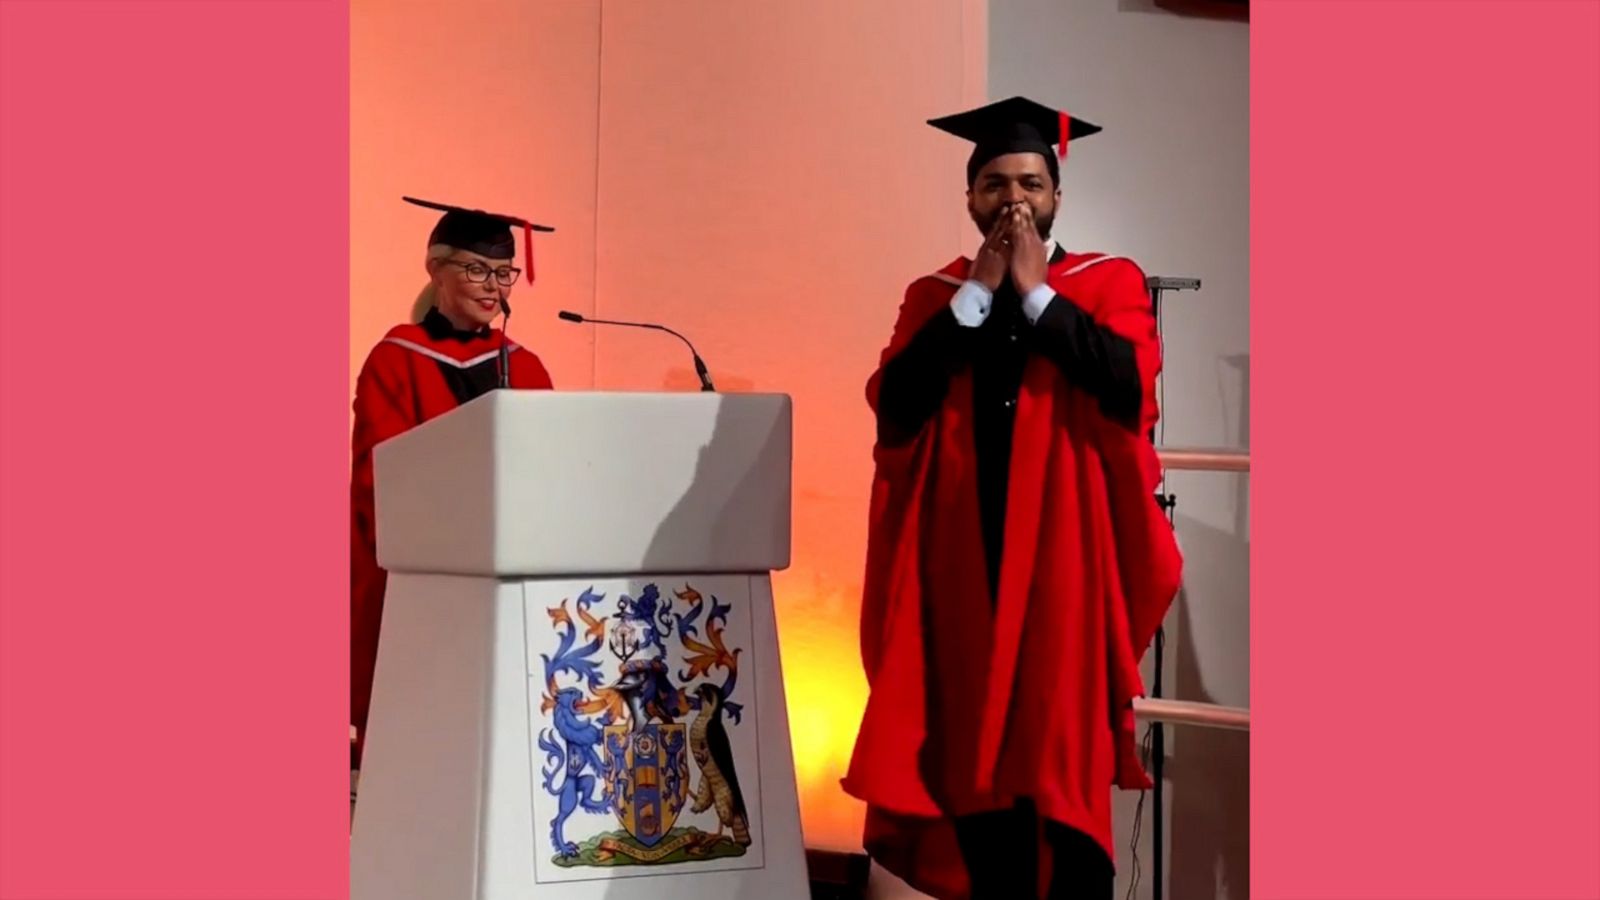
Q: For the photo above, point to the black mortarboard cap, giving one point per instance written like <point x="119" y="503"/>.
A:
<point x="1015" y="125"/>
<point x="484" y="233"/>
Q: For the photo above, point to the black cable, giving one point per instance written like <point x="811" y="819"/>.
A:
<point x="1138" y="817"/>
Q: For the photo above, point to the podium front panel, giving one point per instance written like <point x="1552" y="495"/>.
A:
<point x="549" y="483"/>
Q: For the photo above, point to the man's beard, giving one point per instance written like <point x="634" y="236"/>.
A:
<point x="1043" y="222"/>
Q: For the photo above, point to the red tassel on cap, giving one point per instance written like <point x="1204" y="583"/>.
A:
<point x="1066" y="132"/>
<point x="527" y="248"/>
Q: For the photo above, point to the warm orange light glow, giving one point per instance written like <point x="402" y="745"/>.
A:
<point x="754" y="175"/>
<point x="826" y="693"/>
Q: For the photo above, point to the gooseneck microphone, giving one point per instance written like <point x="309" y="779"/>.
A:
<point x="699" y="364"/>
<point x="505" y="355"/>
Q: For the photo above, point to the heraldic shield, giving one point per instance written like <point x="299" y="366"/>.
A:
<point x="648" y="772"/>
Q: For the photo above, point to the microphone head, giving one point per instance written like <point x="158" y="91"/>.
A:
<point x="570" y="316"/>
<point x="505" y="307"/>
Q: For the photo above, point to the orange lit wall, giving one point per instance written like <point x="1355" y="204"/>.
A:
<point x="756" y="175"/>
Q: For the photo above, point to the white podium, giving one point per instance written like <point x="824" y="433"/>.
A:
<point x="578" y="693"/>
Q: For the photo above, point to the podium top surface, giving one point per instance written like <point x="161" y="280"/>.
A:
<point x="554" y="483"/>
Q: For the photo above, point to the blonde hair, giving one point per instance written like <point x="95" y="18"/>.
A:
<point x="429" y="293"/>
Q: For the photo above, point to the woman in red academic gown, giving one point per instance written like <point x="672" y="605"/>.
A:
<point x="419" y="371"/>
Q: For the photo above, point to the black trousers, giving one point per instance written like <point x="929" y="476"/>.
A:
<point x="1000" y="850"/>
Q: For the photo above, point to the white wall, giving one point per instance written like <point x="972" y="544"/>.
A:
<point x="1167" y="183"/>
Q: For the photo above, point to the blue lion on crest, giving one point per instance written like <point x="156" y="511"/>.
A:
<point x="572" y="745"/>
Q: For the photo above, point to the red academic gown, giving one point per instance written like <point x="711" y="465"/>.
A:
<point x="415" y="373"/>
<point x="979" y="699"/>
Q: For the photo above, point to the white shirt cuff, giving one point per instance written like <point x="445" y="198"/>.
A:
<point x="1033" y="305"/>
<point x="971" y="304"/>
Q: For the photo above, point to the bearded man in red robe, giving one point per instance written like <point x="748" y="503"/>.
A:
<point x="1018" y="564"/>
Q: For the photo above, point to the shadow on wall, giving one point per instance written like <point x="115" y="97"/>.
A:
<point x="1208" y="769"/>
<point x="1208" y="777"/>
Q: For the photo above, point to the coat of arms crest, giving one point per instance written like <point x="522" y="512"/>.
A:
<point x="641" y="733"/>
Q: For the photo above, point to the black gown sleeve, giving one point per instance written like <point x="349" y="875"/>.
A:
<point x="915" y="381"/>
<point x="1091" y="357"/>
